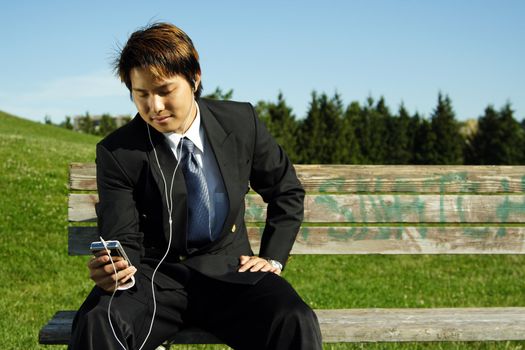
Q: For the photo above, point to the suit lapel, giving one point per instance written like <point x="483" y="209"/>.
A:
<point x="224" y="148"/>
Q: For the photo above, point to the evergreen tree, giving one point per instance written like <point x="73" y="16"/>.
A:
<point x="67" y="123"/>
<point x="371" y="130"/>
<point x="424" y="140"/>
<point x="331" y="111"/>
<point x="380" y="119"/>
<point x="399" y="140"/>
<point x="281" y="123"/>
<point x="499" y="139"/>
<point x="480" y="146"/>
<point x="261" y="108"/>
<point x="448" y="145"/>
<point x="325" y="134"/>
<point x="351" y="149"/>
<point x="513" y="151"/>
<point x="218" y="94"/>
<point x="312" y="132"/>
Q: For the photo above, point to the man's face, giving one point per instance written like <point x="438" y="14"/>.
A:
<point x="167" y="104"/>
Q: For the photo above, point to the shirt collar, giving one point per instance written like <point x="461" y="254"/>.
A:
<point x="194" y="133"/>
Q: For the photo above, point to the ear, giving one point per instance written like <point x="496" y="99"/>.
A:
<point x="196" y="82"/>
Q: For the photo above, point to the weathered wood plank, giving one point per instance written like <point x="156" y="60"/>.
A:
<point x="411" y="178"/>
<point x="412" y="208"/>
<point x="356" y="208"/>
<point x="373" y="240"/>
<point x="433" y="324"/>
<point x="371" y="325"/>
<point x="82" y="176"/>
<point x="379" y="178"/>
<point x="81" y="207"/>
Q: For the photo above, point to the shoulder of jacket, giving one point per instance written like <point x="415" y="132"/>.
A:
<point x="225" y="105"/>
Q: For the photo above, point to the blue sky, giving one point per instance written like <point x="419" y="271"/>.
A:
<point x="55" y="56"/>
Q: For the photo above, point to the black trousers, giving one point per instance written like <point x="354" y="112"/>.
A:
<point x="267" y="315"/>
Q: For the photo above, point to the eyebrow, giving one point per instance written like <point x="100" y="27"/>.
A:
<point x="156" y="88"/>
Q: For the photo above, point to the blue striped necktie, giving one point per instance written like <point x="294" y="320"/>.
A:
<point x="199" y="232"/>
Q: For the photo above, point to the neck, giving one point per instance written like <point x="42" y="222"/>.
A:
<point x="190" y="118"/>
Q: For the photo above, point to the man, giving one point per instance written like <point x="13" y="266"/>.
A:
<point x="171" y="187"/>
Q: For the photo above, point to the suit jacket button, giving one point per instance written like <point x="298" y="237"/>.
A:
<point x="234" y="228"/>
<point x="182" y="257"/>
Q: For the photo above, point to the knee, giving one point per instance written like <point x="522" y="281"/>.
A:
<point x="296" y="327"/>
<point x="297" y="312"/>
<point x="91" y="318"/>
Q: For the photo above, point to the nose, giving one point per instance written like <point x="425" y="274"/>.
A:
<point x="156" y="103"/>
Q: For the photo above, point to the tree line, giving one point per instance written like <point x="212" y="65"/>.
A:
<point x="369" y="133"/>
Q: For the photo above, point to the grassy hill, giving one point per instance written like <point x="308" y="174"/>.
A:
<point x="38" y="278"/>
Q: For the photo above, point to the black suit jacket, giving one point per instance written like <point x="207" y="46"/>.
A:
<point x="132" y="205"/>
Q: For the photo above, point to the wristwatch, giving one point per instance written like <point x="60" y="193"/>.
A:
<point x="275" y="264"/>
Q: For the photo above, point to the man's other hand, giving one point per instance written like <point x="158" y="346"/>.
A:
<point x="255" y="263"/>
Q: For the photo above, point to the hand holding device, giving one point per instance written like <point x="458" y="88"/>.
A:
<point x="109" y="272"/>
<point x="114" y="247"/>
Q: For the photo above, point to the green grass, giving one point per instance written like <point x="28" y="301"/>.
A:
<point x="38" y="278"/>
<point x="37" y="275"/>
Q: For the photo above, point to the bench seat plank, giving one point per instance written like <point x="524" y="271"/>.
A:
<point x="370" y="325"/>
<point x="58" y="331"/>
<point x="429" y="324"/>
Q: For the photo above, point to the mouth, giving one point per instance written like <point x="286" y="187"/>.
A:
<point x="159" y="119"/>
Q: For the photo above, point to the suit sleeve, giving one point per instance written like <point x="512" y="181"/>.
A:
<point x="117" y="213"/>
<point x="273" y="177"/>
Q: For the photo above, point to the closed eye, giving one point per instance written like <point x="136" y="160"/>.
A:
<point x="165" y="92"/>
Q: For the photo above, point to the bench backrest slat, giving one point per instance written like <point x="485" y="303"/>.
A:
<point x="373" y="240"/>
<point x="371" y="208"/>
<point x="378" y="178"/>
<point x="354" y="209"/>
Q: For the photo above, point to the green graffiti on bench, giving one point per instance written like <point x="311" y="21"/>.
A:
<point x="507" y="208"/>
<point x="403" y="184"/>
<point x="333" y="206"/>
<point x="336" y="184"/>
<point x="505" y="185"/>
<point x="446" y="179"/>
<point x="252" y="209"/>
<point x="392" y="208"/>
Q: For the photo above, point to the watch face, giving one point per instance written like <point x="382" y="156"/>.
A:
<point x="275" y="264"/>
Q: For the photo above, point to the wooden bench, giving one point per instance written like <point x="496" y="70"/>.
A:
<point x="355" y="209"/>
